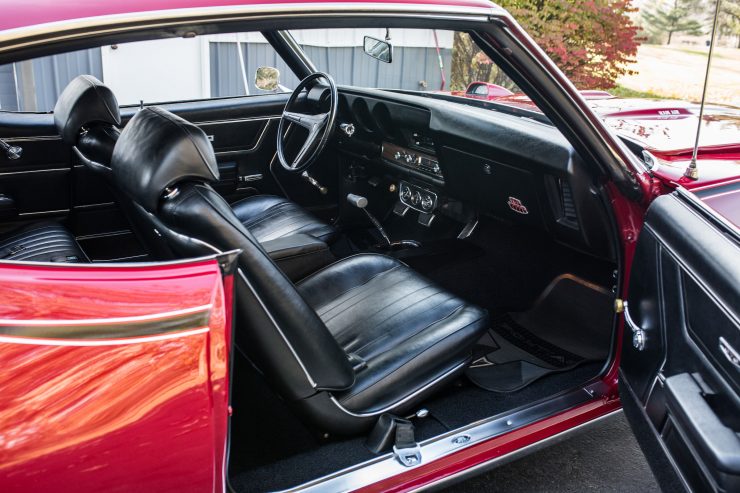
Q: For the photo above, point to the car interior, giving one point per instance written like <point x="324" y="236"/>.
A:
<point x="409" y="263"/>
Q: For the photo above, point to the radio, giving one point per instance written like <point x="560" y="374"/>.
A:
<point x="412" y="159"/>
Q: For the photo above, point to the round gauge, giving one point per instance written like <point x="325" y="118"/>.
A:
<point x="427" y="202"/>
<point x="416" y="198"/>
<point x="405" y="192"/>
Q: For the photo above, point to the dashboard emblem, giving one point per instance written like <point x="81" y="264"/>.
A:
<point x="516" y="205"/>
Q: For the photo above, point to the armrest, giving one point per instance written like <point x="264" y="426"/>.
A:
<point x="298" y="255"/>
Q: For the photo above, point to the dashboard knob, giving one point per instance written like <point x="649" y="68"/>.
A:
<point x="427" y="203"/>
<point x="416" y="198"/>
<point x="397" y="155"/>
<point x="410" y="158"/>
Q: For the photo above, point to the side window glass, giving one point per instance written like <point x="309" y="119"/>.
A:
<point x="156" y="71"/>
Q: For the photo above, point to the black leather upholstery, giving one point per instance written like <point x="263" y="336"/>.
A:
<point x="269" y="217"/>
<point x="308" y="339"/>
<point x="298" y="255"/>
<point x="408" y="331"/>
<point x="41" y="242"/>
<point x="187" y="155"/>
<point x="85" y="100"/>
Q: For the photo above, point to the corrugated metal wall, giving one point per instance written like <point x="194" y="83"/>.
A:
<point x="412" y="68"/>
<point x="349" y="65"/>
<point x="41" y="81"/>
<point x="45" y="79"/>
<point x="8" y="97"/>
<point x="225" y="70"/>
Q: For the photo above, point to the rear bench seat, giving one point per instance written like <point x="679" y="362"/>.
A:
<point x="41" y="242"/>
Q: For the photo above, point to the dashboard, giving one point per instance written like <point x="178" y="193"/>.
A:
<point x="460" y="161"/>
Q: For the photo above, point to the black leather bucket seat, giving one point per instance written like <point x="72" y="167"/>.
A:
<point x="364" y="336"/>
<point x="88" y="119"/>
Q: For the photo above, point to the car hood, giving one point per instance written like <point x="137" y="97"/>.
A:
<point x="664" y="127"/>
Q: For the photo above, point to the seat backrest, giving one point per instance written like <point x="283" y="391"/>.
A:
<point x="164" y="164"/>
<point x="87" y="118"/>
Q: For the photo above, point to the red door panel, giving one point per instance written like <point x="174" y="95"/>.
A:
<point x="114" y="378"/>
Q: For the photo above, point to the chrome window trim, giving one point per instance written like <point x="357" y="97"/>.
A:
<point x="706" y="210"/>
<point x="30" y="36"/>
<point x="386" y="466"/>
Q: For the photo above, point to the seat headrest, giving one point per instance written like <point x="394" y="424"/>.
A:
<point x="157" y="150"/>
<point x="85" y="100"/>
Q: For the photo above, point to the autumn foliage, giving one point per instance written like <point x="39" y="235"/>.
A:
<point x="592" y="41"/>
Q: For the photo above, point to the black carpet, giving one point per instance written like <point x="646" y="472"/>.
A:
<point x="569" y="324"/>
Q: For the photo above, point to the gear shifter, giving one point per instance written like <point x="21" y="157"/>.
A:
<point x="361" y="203"/>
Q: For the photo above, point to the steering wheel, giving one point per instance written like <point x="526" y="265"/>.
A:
<point x="320" y="126"/>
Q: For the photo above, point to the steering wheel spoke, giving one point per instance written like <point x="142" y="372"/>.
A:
<point x="320" y="126"/>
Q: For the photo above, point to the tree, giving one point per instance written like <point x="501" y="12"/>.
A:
<point x="592" y="41"/>
<point x="729" y="19"/>
<point x="470" y="64"/>
<point x="674" y="17"/>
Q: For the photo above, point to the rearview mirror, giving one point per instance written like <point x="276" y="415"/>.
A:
<point x="267" y="79"/>
<point x="378" y="49"/>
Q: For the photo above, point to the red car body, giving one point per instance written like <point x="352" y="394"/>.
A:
<point x="181" y="409"/>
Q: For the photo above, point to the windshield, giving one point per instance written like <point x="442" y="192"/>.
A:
<point x="430" y="61"/>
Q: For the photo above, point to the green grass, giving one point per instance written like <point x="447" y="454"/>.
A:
<point x="625" y="92"/>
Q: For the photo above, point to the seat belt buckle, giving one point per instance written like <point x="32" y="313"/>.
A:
<point x="408" y="456"/>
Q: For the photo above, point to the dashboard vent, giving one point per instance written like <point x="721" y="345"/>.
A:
<point x="568" y="204"/>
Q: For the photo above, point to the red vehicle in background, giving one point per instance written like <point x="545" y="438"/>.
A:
<point x="483" y="90"/>
<point x="340" y="287"/>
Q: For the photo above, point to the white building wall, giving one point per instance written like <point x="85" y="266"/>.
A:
<point x="155" y="71"/>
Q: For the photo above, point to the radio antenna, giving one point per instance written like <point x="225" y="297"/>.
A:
<point x="693" y="171"/>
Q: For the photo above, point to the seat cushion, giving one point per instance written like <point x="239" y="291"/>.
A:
<point x="410" y="333"/>
<point x="41" y="242"/>
<point x="269" y="217"/>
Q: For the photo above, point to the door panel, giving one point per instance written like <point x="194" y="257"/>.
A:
<point x="114" y="378"/>
<point x="49" y="181"/>
<point x="682" y="386"/>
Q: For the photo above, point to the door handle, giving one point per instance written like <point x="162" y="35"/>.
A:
<point x="638" y="333"/>
<point x="730" y="353"/>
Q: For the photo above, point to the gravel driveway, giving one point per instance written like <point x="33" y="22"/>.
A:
<point x="678" y="72"/>
<point x="604" y="458"/>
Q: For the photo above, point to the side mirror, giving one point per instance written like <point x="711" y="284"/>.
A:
<point x="267" y="79"/>
<point x="378" y="49"/>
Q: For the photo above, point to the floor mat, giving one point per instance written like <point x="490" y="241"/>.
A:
<point x="569" y="324"/>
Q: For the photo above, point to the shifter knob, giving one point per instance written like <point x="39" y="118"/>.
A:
<point x="357" y="200"/>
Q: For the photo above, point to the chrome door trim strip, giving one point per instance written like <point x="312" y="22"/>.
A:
<point x="55" y="322"/>
<point x="77" y="266"/>
<point x="386" y="466"/>
<point x="511" y="456"/>
<point x="235" y="120"/>
<point x="29" y="36"/>
<point x="45" y="170"/>
<point x="33" y="138"/>
<point x="43" y="213"/>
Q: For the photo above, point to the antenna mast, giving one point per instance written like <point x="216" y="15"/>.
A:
<point x="693" y="171"/>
